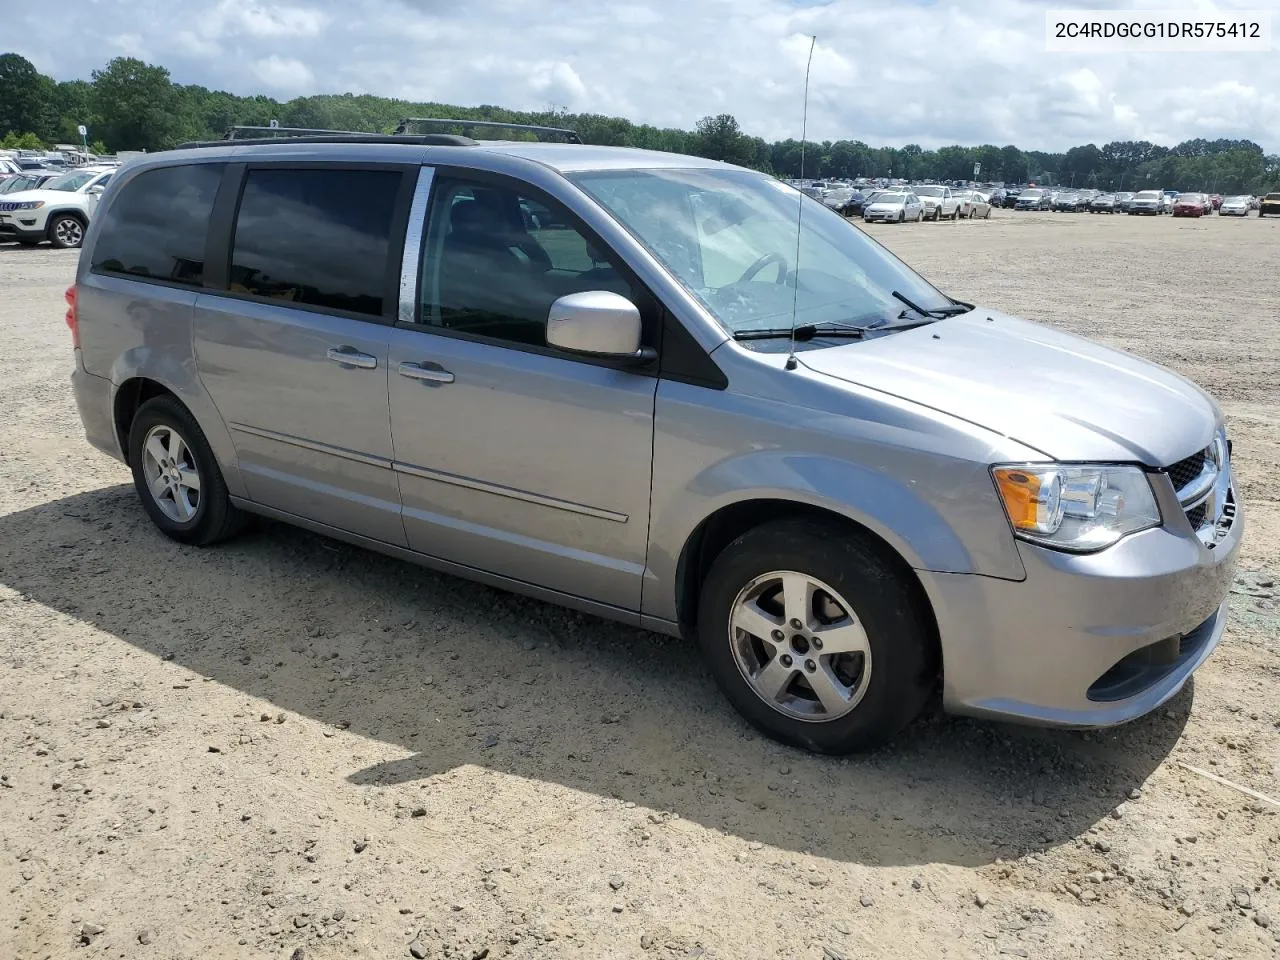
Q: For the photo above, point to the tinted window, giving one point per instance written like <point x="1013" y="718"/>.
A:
<point x="317" y="237"/>
<point x="156" y="226"/>
<point x="495" y="260"/>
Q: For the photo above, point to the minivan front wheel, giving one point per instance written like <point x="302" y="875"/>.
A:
<point x="177" y="476"/>
<point x="815" y="639"/>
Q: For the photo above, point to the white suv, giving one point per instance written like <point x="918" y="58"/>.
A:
<point x="58" y="212"/>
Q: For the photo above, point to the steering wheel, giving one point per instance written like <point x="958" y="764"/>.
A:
<point x="766" y="260"/>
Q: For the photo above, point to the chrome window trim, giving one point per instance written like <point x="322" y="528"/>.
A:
<point x="412" y="255"/>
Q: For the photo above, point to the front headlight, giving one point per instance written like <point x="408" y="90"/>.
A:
<point x="29" y="205"/>
<point x="1075" y="507"/>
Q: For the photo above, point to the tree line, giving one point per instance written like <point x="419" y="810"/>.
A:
<point x="132" y="105"/>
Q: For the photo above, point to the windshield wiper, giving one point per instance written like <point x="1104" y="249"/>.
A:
<point x="803" y="333"/>
<point x="937" y="313"/>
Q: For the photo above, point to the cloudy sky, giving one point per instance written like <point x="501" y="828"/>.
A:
<point x="887" y="72"/>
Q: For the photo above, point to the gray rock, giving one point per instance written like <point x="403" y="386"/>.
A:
<point x="1187" y="908"/>
<point x="616" y="882"/>
<point x="1240" y="897"/>
<point x="146" y="936"/>
<point x="916" y="884"/>
<point x="1102" y="846"/>
<point x="298" y="954"/>
<point x="867" y="900"/>
<point x="360" y="846"/>
<point x="419" y="812"/>
<point x="646" y="942"/>
<point x="339" y="914"/>
<point x="103" y="724"/>
<point x="1118" y="812"/>
<point x="299" y="922"/>
<point x="1135" y="794"/>
<point x="490" y="741"/>
<point x="91" y="929"/>
<point x="418" y="950"/>
<point x="981" y="899"/>
<point x="1262" y="919"/>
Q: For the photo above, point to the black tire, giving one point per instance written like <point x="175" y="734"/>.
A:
<point x="898" y="632"/>
<point x="215" y="517"/>
<point x="66" y="230"/>
<point x="902" y="217"/>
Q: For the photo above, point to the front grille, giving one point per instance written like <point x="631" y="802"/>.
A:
<point x="1195" y="516"/>
<point x="1188" y="469"/>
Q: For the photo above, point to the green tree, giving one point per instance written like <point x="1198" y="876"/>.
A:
<point x="136" y="105"/>
<point x="26" y="97"/>
<point x="720" y="138"/>
<point x="21" y="141"/>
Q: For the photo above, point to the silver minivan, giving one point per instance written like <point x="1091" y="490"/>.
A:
<point x="667" y="391"/>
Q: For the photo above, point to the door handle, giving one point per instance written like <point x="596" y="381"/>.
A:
<point x="433" y="374"/>
<point x="351" y="357"/>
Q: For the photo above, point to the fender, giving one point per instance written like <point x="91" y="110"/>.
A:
<point x="919" y="483"/>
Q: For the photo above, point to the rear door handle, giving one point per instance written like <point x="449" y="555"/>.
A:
<point x="432" y="374"/>
<point x="351" y="357"/>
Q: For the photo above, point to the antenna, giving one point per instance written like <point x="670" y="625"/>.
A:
<point x="804" y="129"/>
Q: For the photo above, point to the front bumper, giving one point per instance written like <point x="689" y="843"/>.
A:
<point x="1087" y="640"/>
<point x="14" y="227"/>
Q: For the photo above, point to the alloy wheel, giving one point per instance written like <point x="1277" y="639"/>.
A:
<point x="800" y="646"/>
<point x="68" y="232"/>
<point x="173" y="479"/>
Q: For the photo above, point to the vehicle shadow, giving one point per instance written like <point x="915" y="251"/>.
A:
<point x="461" y="674"/>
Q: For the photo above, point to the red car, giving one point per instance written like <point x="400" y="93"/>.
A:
<point x="1191" y="205"/>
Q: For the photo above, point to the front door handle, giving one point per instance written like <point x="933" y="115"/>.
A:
<point x="432" y="374"/>
<point x="351" y="357"/>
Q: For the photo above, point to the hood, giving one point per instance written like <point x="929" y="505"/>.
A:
<point x="1068" y="397"/>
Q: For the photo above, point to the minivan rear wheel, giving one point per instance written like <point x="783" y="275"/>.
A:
<point x="816" y="639"/>
<point x="177" y="476"/>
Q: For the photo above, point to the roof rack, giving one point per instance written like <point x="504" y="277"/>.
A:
<point x="568" y="136"/>
<point x="251" y="136"/>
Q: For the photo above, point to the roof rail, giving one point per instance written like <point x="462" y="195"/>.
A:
<point x="568" y="136"/>
<point x="309" y="135"/>
<point x="235" y="131"/>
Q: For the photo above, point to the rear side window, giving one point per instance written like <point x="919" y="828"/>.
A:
<point x="156" y="227"/>
<point x="316" y="237"/>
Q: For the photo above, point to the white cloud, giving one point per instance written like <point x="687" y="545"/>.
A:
<point x="918" y="72"/>
<point x="284" y="74"/>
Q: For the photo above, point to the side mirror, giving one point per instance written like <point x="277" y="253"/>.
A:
<point x="597" y="323"/>
<point x="96" y="191"/>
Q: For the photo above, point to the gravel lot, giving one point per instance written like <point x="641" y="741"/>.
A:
<point x="287" y="747"/>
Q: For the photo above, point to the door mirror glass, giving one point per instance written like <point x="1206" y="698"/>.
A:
<point x="596" y="322"/>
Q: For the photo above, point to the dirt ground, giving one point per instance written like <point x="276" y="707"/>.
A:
<point x="287" y="747"/>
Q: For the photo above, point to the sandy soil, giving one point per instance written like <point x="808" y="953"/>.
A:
<point x="287" y="747"/>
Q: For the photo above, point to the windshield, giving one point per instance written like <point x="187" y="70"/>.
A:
<point x="1273" y="196"/>
<point x="890" y="197"/>
<point x="729" y="236"/>
<point x="928" y="191"/>
<point x="1190" y="198"/>
<point x="1148" y="195"/>
<point x="70" y="182"/>
<point x="1030" y="194"/>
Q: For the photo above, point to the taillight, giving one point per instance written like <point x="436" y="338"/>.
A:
<point x="73" y="319"/>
